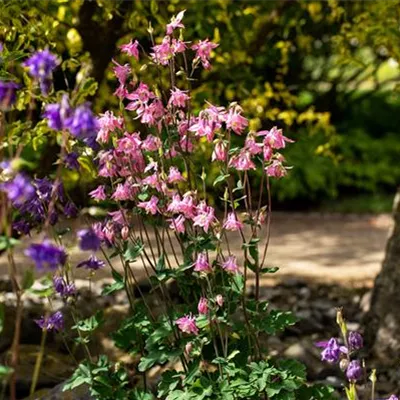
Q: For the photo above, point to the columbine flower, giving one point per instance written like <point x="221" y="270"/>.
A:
<point x="355" y="340"/>
<point x="331" y="350"/>
<point x="230" y="265"/>
<point x="58" y="114"/>
<point x="242" y="162"/>
<point x="205" y="216"/>
<point x="235" y="121"/>
<point x="71" y="160"/>
<point x="62" y="287"/>
<point x="121" y="72"/>
<point x="92" y="263"/>
<point x="203" y="51"/>
<point x="219" y="300"/>
<point x="163" y="52"/>
<point x="231" y="223"/>
<point x="276" y="169"/>
<point x="70" y="210"/>
<point x="8" y="94"/>
<point x="98" y="193"/>
<point x="177" y="224"/>
<point x="187" y="324"/>
<point x="88" y="240"/>
<point x="202" y="307"/>
<point x="83" y="124"/>
<point x="21" y="227"/>
<point x="41" y="65"/>
<point x="131" y="49"/>
<point x="178" y="98"/>
<point x="108" y="123"/>
<point x="201" y="264"/>
<point x="174" y="175"/>
<point x="275" y="138"/>
<point x="220" y="151"/>
<point x="175" y="22"/>
<point x="150" y="206"/>
<point x="19" y="190"/>
<point x="55" y="321"/>
<point x="46" y="255"/>
<point x="354" y="371"/>
<point x="393" y="397"/>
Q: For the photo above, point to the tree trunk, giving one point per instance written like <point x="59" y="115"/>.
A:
<point x="383" y="321"/>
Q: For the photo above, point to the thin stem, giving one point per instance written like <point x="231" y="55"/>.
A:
<point x="38" y="363"/>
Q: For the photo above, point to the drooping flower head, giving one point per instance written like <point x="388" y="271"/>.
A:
<point x="331" y="350"/>
<point x="92" y="263"/>
<point x="62" y="287"/>
<point x="231" y="223"/>
<point x="201" y="264"/>
<point x="54" y="321"/>
<point x="58" y="114"/>
<point x="131" y="49"/>
<point x="83" y="124"/>
<point x="18" y="190"/>
<point x="230" y="265"/>
<point x="187" y="324"/>
<point x="98" y="193"/>
<point x="88" y="240"/>
<point x="41" y="65"/>
<point x="355" y="340"/>
<point x="8" y="94"/>
<point x="46" y="255"/>
<point x="71" y="160"/>
<point x="150" y="206"/>
<point x="202" y="307"/>
<point x="354" y="371"/>
<point x="203" y="51"/>
<point x="175" y="22"/>
<point x="205" y="216"/>
<point x="178" y="98"/>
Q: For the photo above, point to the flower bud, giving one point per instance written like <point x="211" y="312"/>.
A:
<point x="354" y="371"/>
<point x="125" y="232"/>
<point x="202" y="307"/>
<point x="188" y="348"/>
<point x="344" y="363"/>
<point x="356" y="341"/>
<point x="219" y="300"/>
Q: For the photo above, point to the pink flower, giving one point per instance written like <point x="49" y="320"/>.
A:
<point x="235" y="121"/>
<point x="177" y="224"/>
<point x="150" y="206"/>
<point x="175" y="22"/>
<point x="205" y="127"/>
<point x="141" y="94"/>
<point x="267" y="152"/>
<point x="186" y="206"/>
<point x="125" y="232"/>
<point x="242" y="162"/>
<point x="151" y="143"/>
<point x="203" y="51"/>
<point x="98" y="193"/>
<point x="187" y="324"/>
<point x="274" y="138"/>
<point x="252" y="146"/>
<point x="230" y="265"/>
<point x="163" y="52"/>
<point x="201" y="264"/>
<point x="121" y="91"/>
<point x="178" y="46"/>
<point x="121" y="72"/>
<point x="231" y="223"/>
<point x="131" y="49"/>
<point x="119" y="217"/>
<point x="202" y="307"/>
<point x="276" y="169"/>
<point x="205" y="216"/>
<point x="174" y="205"/>
<point x="220" y="151"/>
<point x="219" y="300"/>
<point x="108" y="123"/>
<point x="174" y="175"/>
<point x="178" y="98"/>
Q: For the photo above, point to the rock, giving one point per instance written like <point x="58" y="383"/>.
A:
<point x="79" y="393"/>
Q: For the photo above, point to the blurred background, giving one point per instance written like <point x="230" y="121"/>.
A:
<point x="326" y="72"/>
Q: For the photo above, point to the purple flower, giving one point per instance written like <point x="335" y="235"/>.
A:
<point x="92" y="263"/>
<point x="62" y="287"/>
<point x="21" y="227"/>
<point x="356" y="341"/>
<point x="88" y="240"/>
<point x="331" y="350"/>
<point x="83" y="124"/>
<point x="19" y="190"/>
<point x="46" y="255"/>
<point x="70" y="210"/>
<point x="393" y="397"/>
<point x="41" y="65"/>
<point x="58" y="114"/>
<point x="354" y="371"/>
<point x="54" y="321"/>
<point x="8" y="94"/>
<point x="71" y="160"/>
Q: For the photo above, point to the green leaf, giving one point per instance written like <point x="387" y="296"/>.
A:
<point x="133" y="251"/>
<point x="276" y="321"/>
<point x="90" y="324"/>
<point x="269" y="270"/>
<point x="220" y="178"/>
<point x="5" y="371"/>
<point x="81" y="376"/>
<point x="7" y="243"/>
<point x="28" y="279"/>
<point x="119" y="284"/>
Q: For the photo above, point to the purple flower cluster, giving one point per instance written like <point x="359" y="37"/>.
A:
<point x="41" y="65"/>
<point x="80" y="122"/>
<point x="46" y="255"/>
<point x="71" y="160"/>
<point x="8" y="94"/>
<point x="332" y="353"/>
<point x="54" y="321"/>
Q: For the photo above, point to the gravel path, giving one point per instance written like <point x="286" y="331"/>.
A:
<point x="323" y="247"/>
